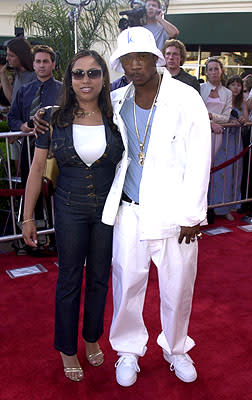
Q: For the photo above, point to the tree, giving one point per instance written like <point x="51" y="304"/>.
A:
<point x="47" y="21"/>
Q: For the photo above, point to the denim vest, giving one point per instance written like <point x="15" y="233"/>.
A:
<point x="75" y="177"/>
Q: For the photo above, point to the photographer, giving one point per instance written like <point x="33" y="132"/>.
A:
<point x="6" y="87"/>
<point x="20" y="59"/>
<point x="155" y="22"/>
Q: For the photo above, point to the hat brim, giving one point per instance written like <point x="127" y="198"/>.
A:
<point x="117" y="65"/>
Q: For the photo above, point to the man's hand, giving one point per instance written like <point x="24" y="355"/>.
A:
<point x="190" y="233"/>
<point x="25" y="128"/>
<point x="159" y="15"/>
<point x="40" y="125"/>
<point x="12" y="139"/>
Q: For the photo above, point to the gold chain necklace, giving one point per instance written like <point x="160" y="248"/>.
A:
<point x="82" y="114"/>
<point x="141" y="154"/>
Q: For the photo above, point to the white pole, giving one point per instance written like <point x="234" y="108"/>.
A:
<point x="76" y="15"/>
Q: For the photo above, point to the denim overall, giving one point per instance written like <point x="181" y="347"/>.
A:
<point x="81" y="237"/>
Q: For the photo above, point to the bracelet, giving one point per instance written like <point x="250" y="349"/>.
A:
<point x="27" y="220"/>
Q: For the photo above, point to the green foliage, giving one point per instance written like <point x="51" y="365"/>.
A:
<point x="46" y="21"/>
<point x="4" y="126"/>
<point x="2" y="154"/>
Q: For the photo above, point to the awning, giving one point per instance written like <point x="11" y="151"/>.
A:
<point x="3" y="39"/>
<point x="213" y="28"/>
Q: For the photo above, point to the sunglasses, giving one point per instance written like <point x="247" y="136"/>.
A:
<point x="141" y="58"/>
<point x="79" y="74"/>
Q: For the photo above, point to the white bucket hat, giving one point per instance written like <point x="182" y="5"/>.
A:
<point x="135" y="40"/>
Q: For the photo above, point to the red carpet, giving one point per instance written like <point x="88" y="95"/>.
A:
<point x="31" y="369"/>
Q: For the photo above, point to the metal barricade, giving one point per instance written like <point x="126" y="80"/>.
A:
<point x="235" y="160"/>
<point x="12" y="192"/>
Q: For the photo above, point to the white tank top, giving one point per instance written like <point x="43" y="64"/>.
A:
<point x="89" y="142"/>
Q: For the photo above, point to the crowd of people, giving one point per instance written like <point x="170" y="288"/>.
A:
<point x="129" y="188"/>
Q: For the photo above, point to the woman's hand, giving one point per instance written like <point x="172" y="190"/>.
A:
<point x="29" y="233"/>
<point x="216" y="128"/>
<point x="242" y="119"/>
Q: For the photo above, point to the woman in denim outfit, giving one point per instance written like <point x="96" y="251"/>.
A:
<point x="87" y="146"/>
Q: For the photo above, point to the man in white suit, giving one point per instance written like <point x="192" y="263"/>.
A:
<point x="164" y="201"/>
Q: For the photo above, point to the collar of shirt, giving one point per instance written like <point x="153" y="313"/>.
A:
<point x="45" y="83"/>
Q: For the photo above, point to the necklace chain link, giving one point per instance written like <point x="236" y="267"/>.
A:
<point x="141" y="154"/>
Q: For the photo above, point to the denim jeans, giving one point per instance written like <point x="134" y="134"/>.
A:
<point x="80" y="236"/>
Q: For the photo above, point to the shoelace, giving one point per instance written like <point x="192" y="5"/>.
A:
<point x="180" y="360"/>
<point x="128" y="360"/>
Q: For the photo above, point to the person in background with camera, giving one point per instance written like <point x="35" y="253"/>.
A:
<point x="87" y="146"/>
<point x="19" y="58"/>
<point x="155" y="22"/>
<point x="4" y="102"/>
<point x="174" y="52"/>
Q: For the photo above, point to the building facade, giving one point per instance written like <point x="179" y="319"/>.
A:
<point x="216" y="27"/>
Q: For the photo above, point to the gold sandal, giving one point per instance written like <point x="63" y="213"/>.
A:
<point x="95" y="359"/>
<point x="74" y="374"/>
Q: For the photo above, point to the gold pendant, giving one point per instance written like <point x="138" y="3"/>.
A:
<point x="141" y="157"/>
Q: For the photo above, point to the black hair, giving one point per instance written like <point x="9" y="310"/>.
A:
<point x="238" y="100"/>
<point x="64" y="116"/>
<point x="22" y="48"/>
<point x="43" y="48"/>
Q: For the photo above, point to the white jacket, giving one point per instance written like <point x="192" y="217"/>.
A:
<point x="173" y="189"/>
<point x="225" y="96"/>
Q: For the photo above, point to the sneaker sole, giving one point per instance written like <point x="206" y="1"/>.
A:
<point x="184" y="379"/>
<point x="126" y="384"/>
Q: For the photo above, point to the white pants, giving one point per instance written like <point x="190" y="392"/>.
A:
<point x="176" y="264"/>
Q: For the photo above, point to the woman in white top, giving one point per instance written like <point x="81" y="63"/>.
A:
<point x="87" y="146"/>
<point x="217" y="97"/>
<point x="218" y="100"/>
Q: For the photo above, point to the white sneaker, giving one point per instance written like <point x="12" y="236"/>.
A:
<point x="126" y="369"/>
<point x="182" y="365"/>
